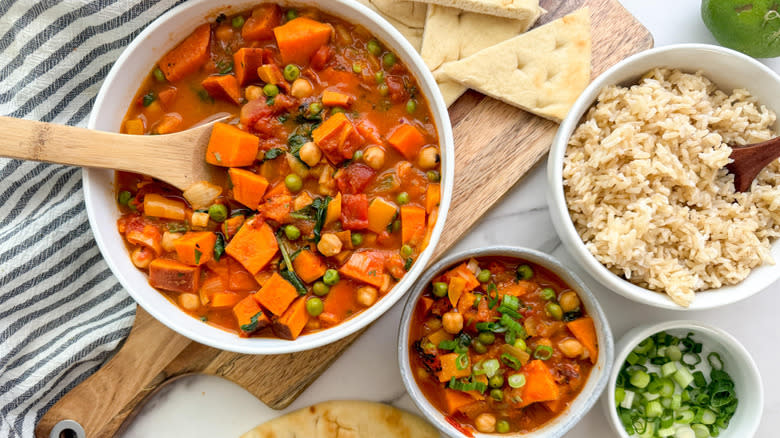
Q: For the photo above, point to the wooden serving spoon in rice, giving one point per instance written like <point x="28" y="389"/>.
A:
<point x="178" y="158"/>
<point x="749" y="161"/>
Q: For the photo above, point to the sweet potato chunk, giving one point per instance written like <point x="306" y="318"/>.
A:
<point x="171" y="275"/>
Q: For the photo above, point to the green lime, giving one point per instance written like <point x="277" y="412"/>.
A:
<point x="752" y="27"/>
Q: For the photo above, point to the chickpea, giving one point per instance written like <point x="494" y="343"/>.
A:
<point x="486" y="423"/>
<point x="366" y="296"/>
<point x="429" y="157"/>
<point x="570" y="348"/>
<point x="329" y="245"/>
<point x="168" y="239"/>
<point x="326" y="181"/>
<point x="374" y="157"/>
<point x="569" y="301"/>
<point x="253" y="92"/>
<point x="189" y="301"/>
<point x="142" y="257"/>
<point x="310" y="154"/>
<point x="301" y="88"/>
<point x="452" y="322"/>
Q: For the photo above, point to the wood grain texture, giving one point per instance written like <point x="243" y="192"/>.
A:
<point x="175" y="158"/>
<point x="484" y="129"/>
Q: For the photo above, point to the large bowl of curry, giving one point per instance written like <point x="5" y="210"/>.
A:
<point x="338" y="155"/>
<point x="506" y="341"/>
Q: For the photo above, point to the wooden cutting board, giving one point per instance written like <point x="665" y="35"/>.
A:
<point x="495" y="145"/>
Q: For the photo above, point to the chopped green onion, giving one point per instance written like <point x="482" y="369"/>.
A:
<point x="462" y="362"/>
<point x="511" y="361"/>
<point x="640" y="379"/>
<point x="516" y="380"/>
<point x="491" y="367"/>
<point x="715" y="361"/>
<point x="447" y="345"/>
<point x="543" y="352"/>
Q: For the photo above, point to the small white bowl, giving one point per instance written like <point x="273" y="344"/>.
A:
<point x="736" y="359"/>
<point x="597" y="380"/>
<point x="111" y="105"/>
<point x="728" y="69"/>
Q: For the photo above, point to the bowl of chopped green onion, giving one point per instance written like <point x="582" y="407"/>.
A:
<point x="683" y="379"/>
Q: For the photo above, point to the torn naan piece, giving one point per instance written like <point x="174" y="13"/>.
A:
<point x="517" y="9"/>
<point x="452" y="34"/>
<point x="345" y="419"/>
<point x="406" y="16"/>
<point x="542" y="71"/>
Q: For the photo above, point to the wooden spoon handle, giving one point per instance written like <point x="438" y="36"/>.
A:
<point x="750" y="160"/>
<point x="102" y="402"/>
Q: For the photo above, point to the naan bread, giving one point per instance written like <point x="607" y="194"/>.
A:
<point x="517" y="9"/>
<point x="345" y="419"/>
<point x="452" y="34"/>
<point x="542" y="71"/>
<point x="406" y="16"/>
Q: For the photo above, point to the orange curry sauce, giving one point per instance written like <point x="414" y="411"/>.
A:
<point x="333" y="162"/>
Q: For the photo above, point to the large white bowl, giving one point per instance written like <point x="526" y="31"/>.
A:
<point x="728" y="70"/>
<point x="111" y="105"/>
<point x="589" y="394"/>
<point x="736" y="359"/>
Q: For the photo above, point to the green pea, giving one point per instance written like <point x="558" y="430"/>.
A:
<point x="379" y="77"/>
<point x="406" y="251"/>
<point x="315" y="108"/>
<point x="292" y="232"/>
<point x="433" y="176"/>
<point x="479" y="347"/>
<point x="497" y="394"/>
<point x="158" y="75"/>
<point x="502" y="426"/>
<point x="396" y="225"/>
<point x="291" y="72"/>
<point x="402" y="198"/>
<point x="525" y="272"/>
<point x="388" y="60"/>
<point x="125" y="197"/>
<point x="293" y="182"/>
<point x="319" y="288"/>
<point x="548" y="293"/>
<point x="483" y="276"/>
<point x="356" y="68"/>
<point x="440" y="289"/>
<point x="496" y="381"/>
<point x="314" y="306"/>
<point x="218" y="213"/>
<point x="411" y="106"/>
<point x="384" y="90"/>
<point x="270" y="90"/>
<point x="555" y="311"/>
<point x="357" y="156"/>
<point x="486" y="338"/>
<point x="331" y="277"/>
<point x="237" y="22"/>
<point x="357" y="239"/>
<point x="374" y="47"/>
<point x="520" y="343"/>
<point x="336" y="110"/>
<point x="292" y="14"/>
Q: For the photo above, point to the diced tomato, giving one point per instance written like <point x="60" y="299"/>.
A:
<point x="354" y="212"/>
<point x="354" y="178"/>
<point x="320" y="57"/>
<point x="398" y="93"/>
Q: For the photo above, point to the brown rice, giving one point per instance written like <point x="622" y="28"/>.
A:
<point x="647" y="191"/>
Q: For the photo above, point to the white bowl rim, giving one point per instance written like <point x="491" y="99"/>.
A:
<point x="206" y="334"/>
<point x="631" y="339"/>
<point x="559" y="209"/>
<point x="606" y="349"/>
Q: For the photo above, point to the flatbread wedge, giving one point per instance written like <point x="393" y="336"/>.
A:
<point x="517" y="9"/>
<point x="542" y="71"/>
<point x="452" y="34"/>
<point x="406" y="16"/>
<point x="345" y="419"/>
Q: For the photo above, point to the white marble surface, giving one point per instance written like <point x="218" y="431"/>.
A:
<point x="212" y="407"/>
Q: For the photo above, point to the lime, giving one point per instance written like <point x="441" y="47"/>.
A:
<point x="752" y="27"/>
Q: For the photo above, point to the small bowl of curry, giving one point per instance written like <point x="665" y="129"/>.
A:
<point x="503" y="340"/>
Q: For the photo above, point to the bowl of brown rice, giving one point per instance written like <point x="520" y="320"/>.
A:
<point x="638" y="190"/>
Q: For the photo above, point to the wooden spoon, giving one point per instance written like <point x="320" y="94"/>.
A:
<point x="750" y="160"/>
<point x="178" y="159"/>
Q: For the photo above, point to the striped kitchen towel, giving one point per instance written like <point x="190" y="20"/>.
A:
<point x="62" y="312"/>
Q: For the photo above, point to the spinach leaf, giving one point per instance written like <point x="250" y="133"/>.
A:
<point x="219" y="247"/>
<point x="224" y="67"/>
<point x="320" y="206"/>
<point x="273" y="153"/>
<point x="149" y="98"/>
<point x="296" y="142"/>
<point x="252" y="325"/>
<point x="292" y="277"/>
